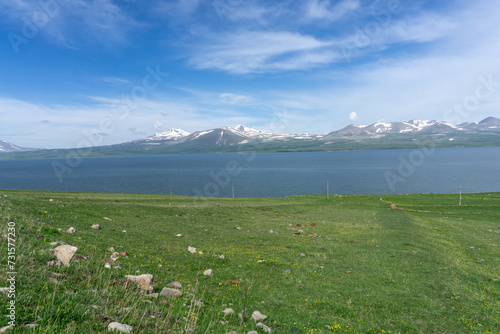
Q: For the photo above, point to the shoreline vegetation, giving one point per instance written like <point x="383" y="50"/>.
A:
<point x="89" y="262"/>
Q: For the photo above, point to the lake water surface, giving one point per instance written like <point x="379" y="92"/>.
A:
<point x="266" y="175"/>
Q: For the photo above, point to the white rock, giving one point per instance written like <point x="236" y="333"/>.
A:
<point x="192" y="250"/>
<point x="144" y="282"/>
<point x="222" y="257"/>
<point x="71" y="230"/>
<point x="124" y="231"/>
<point x="6" y="328"/>
<point x="120" y="327"/>
<point x="302" y="254"/>
<point x="264" y="327"/>
<point x="208" y="272"/>
<point x="228" y="311"/>
<point x="175" y="284"/>
<point x="107" y="265"/>
<point x="197" y="303"/>
<point x="51" y="200"/>
<point x="178" y="235"/>
<point x="271" y="231"/>
<point x="111" y="249"/>
<point x="115" y="256"/>
<point x="257" y="316"/>
<point x="253" y="332"/>
<point x="109" y="219"/>
<point x="170" y="293"/>
<point x="64" y="253"/>
<point x="96" y="227"/>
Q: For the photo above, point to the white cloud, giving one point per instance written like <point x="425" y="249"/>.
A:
<point x="353" y="117"/>
<point x="249" y="52"/>
<point x="70" y="23"/>
<point x="229" y="98"/>
<point x="321" y="9"/>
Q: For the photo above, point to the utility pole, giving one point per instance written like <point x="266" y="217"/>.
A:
<point x="233" y="190"/>
<point x="460" y="202"/>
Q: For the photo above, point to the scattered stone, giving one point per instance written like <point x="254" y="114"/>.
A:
<point x="192" y="250"/>
<point x="123" y="254"/>
<point x="109" y="219"/>
<point x="53" y="263"/>
<point x="65" y="253"/>
<point x="393" y="206"/>
<point x="238" y="228"/>
<point x="120" y="327"/>
<point x="30" y="325"/>
<point x="55" y="243"/>
<point x="222" y="257"/>
<point x="271" y="231"/>
<point x="265" y="328"/>
<point x="124" y="231"/>
<point x="96" y="227"/>
<point x="107" y="265"/>
<point x="314" y="234"/>
<point x="257" y="316"/>
<point x="175" y="284"/>
<point x="313" y="224"/>
<point x="228" y="311"/>
<point x="153" y="295"/>
<point x="208" y="272"/>
<point x="71" y="230"/>
<point x="253" y="332"/>
<point x="53" y="280"/>
<point x="51" y="200"/>
<point x="197" y="303"/>
<point x="170" y="293"/>
<point x="111" y="249"/>
<point x="299" y="225"/>
<point x="260" y="261"/>
<point x="144" y="282"/>
<point x="201" y="253"/>
<point x="479" y="260"/>
<point x="6" y="328"/>
<point x="302" y="254"/>
<point x="178" y="235"/>
<point x="115" y="256"/>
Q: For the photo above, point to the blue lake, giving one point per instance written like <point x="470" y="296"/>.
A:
<point x="266" y="175"/>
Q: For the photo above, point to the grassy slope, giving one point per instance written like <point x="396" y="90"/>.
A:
<point x="371" y="269"/>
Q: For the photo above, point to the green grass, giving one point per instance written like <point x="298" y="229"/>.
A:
<point x="370" y="269"/>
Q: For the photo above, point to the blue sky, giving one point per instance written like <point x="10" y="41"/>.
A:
<point x="123" y="70"/>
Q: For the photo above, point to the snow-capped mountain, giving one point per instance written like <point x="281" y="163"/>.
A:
<point x="171" y="134"/>
<point x="6" y="147"/>
<point x="380" y="129"/>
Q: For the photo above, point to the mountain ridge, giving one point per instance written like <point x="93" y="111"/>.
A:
<point x="378" y="135"/>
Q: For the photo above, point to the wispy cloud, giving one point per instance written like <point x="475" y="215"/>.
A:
<point x="322" y="9"/>
<point x="71" y="23"/>
<point x="249" y="52"/>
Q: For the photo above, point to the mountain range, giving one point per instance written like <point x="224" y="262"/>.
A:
<point x="380" y="135"/>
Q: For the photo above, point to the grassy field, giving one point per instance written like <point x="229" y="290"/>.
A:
<point x="361" y="264"/>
